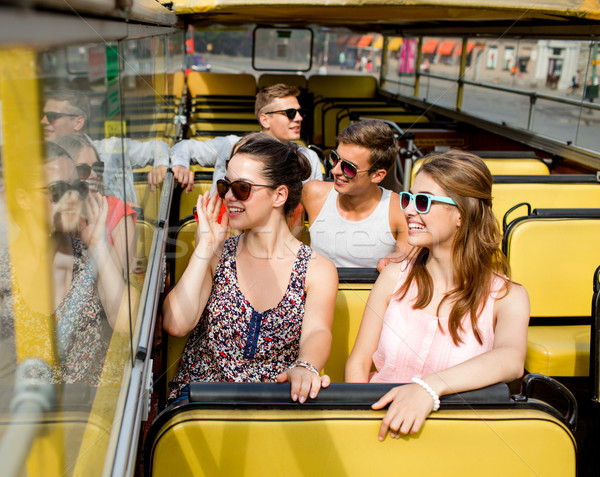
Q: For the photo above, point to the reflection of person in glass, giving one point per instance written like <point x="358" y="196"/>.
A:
<point x="87" y="285"/>
<point x="120" y="224"/>
<point x="68" y="112"/>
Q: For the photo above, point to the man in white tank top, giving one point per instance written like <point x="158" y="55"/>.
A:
<point x="352" y="220"/>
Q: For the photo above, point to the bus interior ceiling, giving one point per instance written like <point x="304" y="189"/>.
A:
<point x="494" y="79"/>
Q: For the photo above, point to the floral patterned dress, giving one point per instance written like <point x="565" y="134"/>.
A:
<point x="81" y="329"/>
<point x="233" y="341"/>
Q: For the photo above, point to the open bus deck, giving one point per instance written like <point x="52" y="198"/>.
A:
<point x="514" y="82"/>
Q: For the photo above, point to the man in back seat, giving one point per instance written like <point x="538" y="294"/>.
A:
<point x="67" y="112"/>
<point x="353" y="221"/>
<point x="279" y="114"/>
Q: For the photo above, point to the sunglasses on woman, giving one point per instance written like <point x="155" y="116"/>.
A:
<point x="59" y="188"/>
<point x="349" y="169"/>
<point x="84" y="170"/>
<point x="241" y="189"/>
<point x="290" y="112"/>
<point x="52" y="116"/>
<point x="422" y="202"/>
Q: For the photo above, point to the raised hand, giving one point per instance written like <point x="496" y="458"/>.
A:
<point x="93" y="231"/>
<point x="210" y="234"/>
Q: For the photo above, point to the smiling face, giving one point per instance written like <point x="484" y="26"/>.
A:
<point x="360" y="157"/>
<point x="259" y="205"/>
<point x="88" y="157"/>
<point x="64" y="215"/>
<point x="278" y="125"/>
<point x="437" y="227"/>
<point x="62" y="125"/>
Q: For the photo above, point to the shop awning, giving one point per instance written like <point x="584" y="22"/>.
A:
<point x="395" y="43"/>
<point x="364" y="41"/>
<point x="446" y="47"/>
<point x="429" y="46"/>
<point x="378" y="44"/>
<point x="470" y="46"/>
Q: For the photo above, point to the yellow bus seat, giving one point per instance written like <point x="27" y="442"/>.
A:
<point x="203" y="169"/>
<point x="222" y="113"/>
<point x="144" y="232"/>
<point x="222" y="127"/>
<point x="223" y="436"/>
<point x="327" y="87"/>
<point x="216" y="103"/>
<point x="349" y="307"/>
<point x="188" y="200"/>
<point x="178" y="84"/>
<point x="185" y="239"/>
<point x="269" y="79"/>
<point x="148" y="200"/>
<point x="558" y="350"/>
<point x="342" y="86"/>
<point x="63" y="439"/>
<point x="595" y="339"/>
<point x="503" y="167"/>
<point x="205" y="84"/>
<point x="553" y="254"/>
<point x="551" y="191"/>
<point x="403" y="118"/>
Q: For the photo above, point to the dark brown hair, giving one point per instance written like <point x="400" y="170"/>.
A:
<point x="376" y="136"/>
<point x="283" y="164"/>
<point x="267" y="95"/>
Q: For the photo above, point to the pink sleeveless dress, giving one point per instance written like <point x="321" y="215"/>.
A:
<point x="413" y="345"/>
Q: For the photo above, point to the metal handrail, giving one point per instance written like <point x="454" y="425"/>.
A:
<point x="532" y="95"/>
<point x="129" y="421"/>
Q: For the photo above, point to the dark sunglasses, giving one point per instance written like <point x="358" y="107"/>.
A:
<point x="422" y="201"/>
<point x="241" y="189"/>
<point x="53" y="116"/>
<point x="84" y="170"/>
<point x="59" y="188"/>
<point x="290" y="112"/>
<point x="348" y="169"/>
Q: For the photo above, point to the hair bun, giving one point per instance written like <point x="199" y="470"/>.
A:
<point x="304" y="168"/>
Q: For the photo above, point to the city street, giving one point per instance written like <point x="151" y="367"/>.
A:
<point x="564" y="122"/>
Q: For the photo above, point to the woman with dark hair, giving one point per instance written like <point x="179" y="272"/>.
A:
<point x="121" y="219"/>
<point x="259" y="304"/>
<point x="447" y="319"/>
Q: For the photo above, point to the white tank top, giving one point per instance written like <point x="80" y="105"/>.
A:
<point x="349" y="243"/>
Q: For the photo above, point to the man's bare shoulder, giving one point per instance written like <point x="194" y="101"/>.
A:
<point x="314" y="195"/>
<point x="315" y="192"/>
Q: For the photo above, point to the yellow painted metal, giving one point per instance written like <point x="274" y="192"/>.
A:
<point x="336" y="442"/>
<point x="461" y="74"/>
<point x="558" y="350"/>
<point x="26" y="206"/>
<point x="28" y="232"/>
<point x="388" y="11"/>
<point x="418" y="65"/>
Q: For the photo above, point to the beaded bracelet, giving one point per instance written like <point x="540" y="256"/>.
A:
<point x="427" y="387"/>
<point x="304" y="364"/>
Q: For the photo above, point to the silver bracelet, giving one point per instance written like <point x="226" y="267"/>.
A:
<point x="432" y="393"/>
<point x="304" y="364"/>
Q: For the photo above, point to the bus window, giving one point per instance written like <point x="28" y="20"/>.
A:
<point x="82" y="125"/>
<point x="285" y="49"/>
